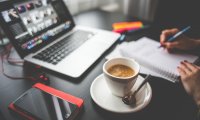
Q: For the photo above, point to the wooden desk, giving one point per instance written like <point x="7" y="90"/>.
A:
<point x="169" y="101"/>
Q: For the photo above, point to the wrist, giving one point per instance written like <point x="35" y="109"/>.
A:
<point x="196" y="98"/>
<point x="197" y="43"/>
<point x="198" y="103"/>
<point x="198" y="113"/>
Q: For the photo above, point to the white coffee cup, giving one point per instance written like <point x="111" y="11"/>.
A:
<point x="120" y="86"/>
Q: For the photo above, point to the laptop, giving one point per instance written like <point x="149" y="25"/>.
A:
<point x="43" y="32"/>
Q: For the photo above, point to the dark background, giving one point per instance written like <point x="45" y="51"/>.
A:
<point x="179" y="13"/>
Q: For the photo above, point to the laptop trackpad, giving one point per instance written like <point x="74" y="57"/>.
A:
<point x="78" y="62"/>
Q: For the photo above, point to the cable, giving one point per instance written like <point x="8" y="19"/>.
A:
<point x="12" y="77"/>
<point x="7" y="52"/>
<point x="13" y="61"/>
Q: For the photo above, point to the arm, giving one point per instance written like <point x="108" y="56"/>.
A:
<point x="190" y="78"/>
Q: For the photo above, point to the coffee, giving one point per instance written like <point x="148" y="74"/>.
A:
<point x="119" y="70"/>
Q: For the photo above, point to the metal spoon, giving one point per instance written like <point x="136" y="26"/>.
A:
<point x="130" y="98"/>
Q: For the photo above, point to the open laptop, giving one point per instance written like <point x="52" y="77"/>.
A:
<point x="44" y="33"/>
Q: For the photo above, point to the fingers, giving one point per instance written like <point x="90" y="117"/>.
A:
<point x="171" y="50"/>
<point x="198" y="67"/>
<point x="166" y="33"/>
<point x="171" y="45"/>
<point x="191" y="66"/>
<point x="181" y="72"/>
<point x="187" y="68"/>
<point x="162" y="38"/>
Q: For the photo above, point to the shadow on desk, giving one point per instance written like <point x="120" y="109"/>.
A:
<point x="1" y="116"/>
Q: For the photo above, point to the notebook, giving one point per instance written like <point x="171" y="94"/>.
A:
<point x="156" y="60"/>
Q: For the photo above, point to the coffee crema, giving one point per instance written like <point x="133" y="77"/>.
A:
<point x="119" y="70"/>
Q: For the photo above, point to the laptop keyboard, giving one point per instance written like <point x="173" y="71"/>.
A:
<point x="58" y="51"/>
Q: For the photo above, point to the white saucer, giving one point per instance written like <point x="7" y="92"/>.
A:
<point x="102" y="96"/>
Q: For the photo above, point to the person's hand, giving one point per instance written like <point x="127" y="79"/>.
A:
<point x="182" y="42"/>
<point x="190" y="78"/>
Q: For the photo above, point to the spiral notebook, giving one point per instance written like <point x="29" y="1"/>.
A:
<point x="157" y="60"/>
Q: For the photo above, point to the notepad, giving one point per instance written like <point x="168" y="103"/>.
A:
<point x="147" y="52"/>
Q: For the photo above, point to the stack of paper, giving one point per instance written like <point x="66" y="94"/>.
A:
<point x="126" y="26"/>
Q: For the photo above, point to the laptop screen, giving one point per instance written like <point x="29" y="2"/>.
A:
<point x="32" y="24"/>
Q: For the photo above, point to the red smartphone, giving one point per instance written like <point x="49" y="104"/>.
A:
<point x="41" y="105"/>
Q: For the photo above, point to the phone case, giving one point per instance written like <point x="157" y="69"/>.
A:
<point x="70" y="98"/>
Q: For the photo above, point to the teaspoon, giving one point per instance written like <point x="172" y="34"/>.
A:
<point x="130" y="98"/>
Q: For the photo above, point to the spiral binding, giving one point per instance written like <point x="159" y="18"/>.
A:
<point x="167" y="73"/>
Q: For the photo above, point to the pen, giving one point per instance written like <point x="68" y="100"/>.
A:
<point x="171" y="39"/>
<point x="122" y="38"/>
